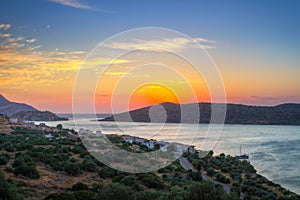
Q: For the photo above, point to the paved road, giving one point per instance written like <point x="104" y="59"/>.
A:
<point x="186" y="164"/>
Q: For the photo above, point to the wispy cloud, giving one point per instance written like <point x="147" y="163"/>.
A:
<point x="31" y="40"/>
<point x="73" y="3"/>
<point x="5" y="26"/>
<point x="16" y="39"/>
<point x="171" y="44"/>
<point x="4" y="35"/>
<point x="24" y="64"/>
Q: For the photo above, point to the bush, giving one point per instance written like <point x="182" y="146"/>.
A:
<point x="146" y="195"/>
<point x="107" y="172"/>
<point x="24" y="165"/>
<point x="72" y="168"/>
<point x="8" y="191"/>
<point x="78" y="149"/>
<point x="195" y="176"/>
<point x="210" y="171"/>
<point x="89" y="165"/>
<point x="208" y="191"/>
<point x="115" y="191"/>
<point x="128" y="180"/>
<point x="152" y="181"/>
<point x="62" y="196"/>
<point x="4" y="158"/>
<point x="220" y="177"/>
<point x="29" y="170"/>
<point x="79" y="186"/>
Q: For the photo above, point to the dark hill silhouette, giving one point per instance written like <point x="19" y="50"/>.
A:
<point x="9" y="108"/>
<point x="284" y="114"/>
<point x="26" y="112"/>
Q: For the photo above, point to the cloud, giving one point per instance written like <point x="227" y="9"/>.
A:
<point x="170" y="44"/>
<point x="72" y="3"/>
<point x="4" y="35"/>
<point x="31" y="40"/>
<point x="24" y="65"/>
<point x="5" y="26"/>
<point x="15" y="39"/>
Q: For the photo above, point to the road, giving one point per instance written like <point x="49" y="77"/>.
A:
<point x="186" y="164"/>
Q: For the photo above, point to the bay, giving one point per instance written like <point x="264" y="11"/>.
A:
<point x="274" y="150"/>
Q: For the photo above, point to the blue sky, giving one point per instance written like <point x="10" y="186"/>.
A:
<point x="243" y="23"/>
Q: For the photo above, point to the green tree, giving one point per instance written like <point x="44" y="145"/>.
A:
<point x="72" y="168"/>
<point x="59" y="126"/>
<point x="79" y="186"/>
<point x="206" y="191"/>
<point x="115" y="191"/>
<point x="8" y="191"/>
<point x="28" y="170"/>
<point x="4" y="159"/>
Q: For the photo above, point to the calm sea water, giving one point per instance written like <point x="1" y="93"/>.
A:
<point x="273" y="150"/>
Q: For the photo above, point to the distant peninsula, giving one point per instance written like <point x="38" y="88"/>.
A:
<point x="283" y="114"/>
<point x="25" y="112"/>
<point x="38" y="116"/>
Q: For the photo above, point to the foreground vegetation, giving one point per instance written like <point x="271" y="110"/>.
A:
<point x="35" y="167"/>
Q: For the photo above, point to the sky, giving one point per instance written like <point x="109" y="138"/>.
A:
<point x="44" y="44"/>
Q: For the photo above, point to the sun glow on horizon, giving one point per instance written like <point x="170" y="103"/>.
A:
<point x="151" y="94"/>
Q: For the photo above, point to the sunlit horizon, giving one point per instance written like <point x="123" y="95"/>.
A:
<point x="255" y="49"/>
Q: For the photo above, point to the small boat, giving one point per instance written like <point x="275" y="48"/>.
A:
<point x="242" y="156"/>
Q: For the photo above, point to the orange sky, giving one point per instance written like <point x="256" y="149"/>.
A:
<point x="45" y="79"/>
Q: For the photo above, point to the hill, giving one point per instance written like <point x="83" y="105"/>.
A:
<point x="9" y="108"/>
<point x="38" y="116"/>
<point x="26" y="112"/>
<point x="284" y="114"/>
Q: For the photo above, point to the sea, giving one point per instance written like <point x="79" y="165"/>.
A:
<point x="273" y="150"/>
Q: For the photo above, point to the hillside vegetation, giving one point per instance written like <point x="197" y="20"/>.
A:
<point x="36" y="167"/>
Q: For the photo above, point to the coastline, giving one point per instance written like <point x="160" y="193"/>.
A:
<point x="205" y="163"/>
<point x="257" y="137"/>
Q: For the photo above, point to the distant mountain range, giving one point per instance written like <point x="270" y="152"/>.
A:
<point x="284" y="114"/>
<point x="23" y="111"/>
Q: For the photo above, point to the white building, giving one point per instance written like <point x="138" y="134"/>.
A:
<point x="13" y="120"/>
<point x="49" y="136"/>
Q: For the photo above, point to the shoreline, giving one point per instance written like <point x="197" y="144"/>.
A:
<point x="255" y="159"/>
<point x="191" y="155"/>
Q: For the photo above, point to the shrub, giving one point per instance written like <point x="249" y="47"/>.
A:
<point x="220" y="177"/>
<point x="27" y="169"/>
<point x="128" y="180"/>
<point x="210" y="171"/>
<point x="79" y="186"/>
<point x="115" y="191"/>
<point x="8" y="190"/>
<point x="107" y="172"/>
<point x="72" y="168"/>
<point x="152" y="181"/>
<point x="24" y="165"/>
<point x="146" y="195"/>
<point x="4" y="159"/>
<point x="89" y="165"/>
<point x="207" y="191"/>
<point x="78" y="149"/>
